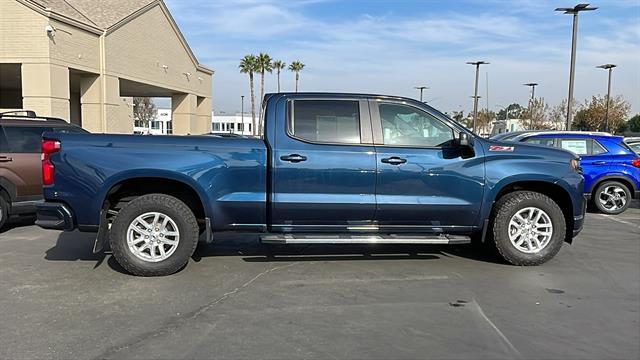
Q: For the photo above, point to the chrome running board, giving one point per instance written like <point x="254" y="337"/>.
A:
<point x="364" y="239"/>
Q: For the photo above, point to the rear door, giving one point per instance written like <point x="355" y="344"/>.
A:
<point x="424" y="182"/>
<point x="20" y="164"/>
<point x="323" y="165"/>
<point x="594" y="158"/>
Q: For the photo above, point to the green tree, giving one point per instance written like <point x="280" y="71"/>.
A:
<point x="296" y="67"/>
<point x="513" y="111"/>
<point x="144" y="111"/>
<point x="591" y="116"/>
<point x="278" y="65"/>
<point x="535" y="115"/>
<point x="634" y="123"/>
<point x="249" y="65"/>
<point x="484" y="120"/>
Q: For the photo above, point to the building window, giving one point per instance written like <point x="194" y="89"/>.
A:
<point x="169" y="127"/>
<point x="249" y="127"/>
<point x="139" y="123"/>
<point x="230" y="126"/>
<point x="240" y="127"/>
<point x="216" y="126"/>
<point x="155" y="125"/>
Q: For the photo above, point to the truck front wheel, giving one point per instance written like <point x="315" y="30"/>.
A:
<point x="529" y="228"/>
<point x="154" y="235"/>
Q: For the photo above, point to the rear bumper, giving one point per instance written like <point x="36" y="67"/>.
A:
<point x="24" y="207"/>
<point x="57" y="216"/>
<point x="578" y="220"/>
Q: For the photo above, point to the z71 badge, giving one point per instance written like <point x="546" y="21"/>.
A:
<point x="501" y="148"/>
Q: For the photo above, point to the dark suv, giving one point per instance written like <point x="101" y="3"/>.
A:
<point x="20" y="166"/>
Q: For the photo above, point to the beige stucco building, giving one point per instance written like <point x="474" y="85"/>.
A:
<point x="83" y="60"/>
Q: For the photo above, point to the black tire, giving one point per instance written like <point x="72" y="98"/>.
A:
<point x="4" y="211"/>
<point x="598" y="193"/>
<point x="506" y="207"/>
<point x="171" y="207"/>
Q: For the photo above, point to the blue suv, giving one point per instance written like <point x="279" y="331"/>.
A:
<point x="611" y="168"/>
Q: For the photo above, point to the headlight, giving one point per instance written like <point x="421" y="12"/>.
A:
<point x="575" y="165"/>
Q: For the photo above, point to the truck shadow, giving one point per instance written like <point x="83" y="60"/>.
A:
<point x="77" y="246"/>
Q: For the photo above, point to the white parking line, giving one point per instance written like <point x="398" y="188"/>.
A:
<point x="614" y="218"/>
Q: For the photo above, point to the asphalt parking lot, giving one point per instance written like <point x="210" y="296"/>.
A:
<point x="240" y="299"/>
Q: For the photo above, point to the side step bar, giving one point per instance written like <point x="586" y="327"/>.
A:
<point x="364" y="239"/>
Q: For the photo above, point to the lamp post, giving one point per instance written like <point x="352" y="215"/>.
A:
<point x="606" y="116"/>
<point x="242" y="110"/>
<point x="475" y="93"/>
<point x="421" y="88"/>
<point x="533" y="96"/>
<point x="572" y="70"/>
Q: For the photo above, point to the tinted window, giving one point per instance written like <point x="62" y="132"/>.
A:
<point x="333" y="121"/>
<point x="4" y="148"/>
<point x="409" y="126"/>
<point x="541" y="141"/>
<point x="24" y="139"/>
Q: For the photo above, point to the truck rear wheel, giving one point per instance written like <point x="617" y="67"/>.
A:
<point x="529" y="228"/>
<point x="154" y="235"/>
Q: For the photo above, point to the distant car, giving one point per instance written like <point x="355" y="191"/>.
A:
<point x="20" y="165"/>
<point x="507" y="136"/>
<point x="611" y="168"/>
<point x="634" y="144"/>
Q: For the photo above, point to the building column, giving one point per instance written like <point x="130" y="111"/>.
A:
<point x="45" y="89"/>
<point x="103" y="109"/>
<point x="91" y="103"/>
<point x="184" y="114"/>
<point x="204" y="115"/>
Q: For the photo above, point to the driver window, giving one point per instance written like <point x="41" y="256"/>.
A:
<point x="408" y="126"/>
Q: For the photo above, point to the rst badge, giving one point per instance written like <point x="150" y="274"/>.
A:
<point x="501" y="148"/>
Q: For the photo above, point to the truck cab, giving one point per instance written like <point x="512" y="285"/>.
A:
<point x="329" y="168"/>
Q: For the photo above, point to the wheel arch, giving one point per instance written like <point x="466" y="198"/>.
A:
<point x="619" y="178"/>
<point x="128" y="188"/>
<point x="556" y="192"/>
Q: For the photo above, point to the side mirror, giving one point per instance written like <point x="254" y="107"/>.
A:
<point x="463" y="139"/>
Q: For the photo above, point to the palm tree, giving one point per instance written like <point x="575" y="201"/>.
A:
<point x="248" y="65"/>
<point x="265" y="64"/>
<point x="279" y="65"/>
<point x="296" y="67"/>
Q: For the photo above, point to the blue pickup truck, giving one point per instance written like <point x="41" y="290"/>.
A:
<point x="330" y="168"/>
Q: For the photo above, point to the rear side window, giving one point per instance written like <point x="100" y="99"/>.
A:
<point x="329" y="121"/>
<point x="582" y="146"/>
<point x="4" y="148"/>
<point x="541" y="141"/>
<point x="24" y="139"/>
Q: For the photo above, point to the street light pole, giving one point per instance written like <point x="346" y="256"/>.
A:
<point x="475" y="93"/>
<point x="533" y="96"/>
<point x="606" y="116"/>
<point x="421" y="88"/>
<point x="573" y="11"/>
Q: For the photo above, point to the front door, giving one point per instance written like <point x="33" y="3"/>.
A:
<point x="425" y="181"/>
<point x="323" y="166"/>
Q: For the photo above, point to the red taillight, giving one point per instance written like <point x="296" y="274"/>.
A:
<point x="636" y="163"/>
<point x="48" y="147"/>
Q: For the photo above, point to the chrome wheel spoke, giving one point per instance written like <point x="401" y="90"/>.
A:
<point x="153" y="237"/>
<point x="530" y="230"/>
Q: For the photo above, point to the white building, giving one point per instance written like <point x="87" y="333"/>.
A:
<point x="162" y="125"/>
<point x="236" y="124"/>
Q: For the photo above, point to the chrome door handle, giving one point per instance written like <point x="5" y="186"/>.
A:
<point x="394" y="160"/>
<point x="5" y="159"/>
<point x="294" y="158"/>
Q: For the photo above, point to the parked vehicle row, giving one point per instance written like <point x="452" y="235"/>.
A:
<point x="332" y="168"/>
<point x="610" y="167"/>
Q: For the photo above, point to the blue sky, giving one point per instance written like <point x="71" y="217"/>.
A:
<point x="383" y="46"/>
